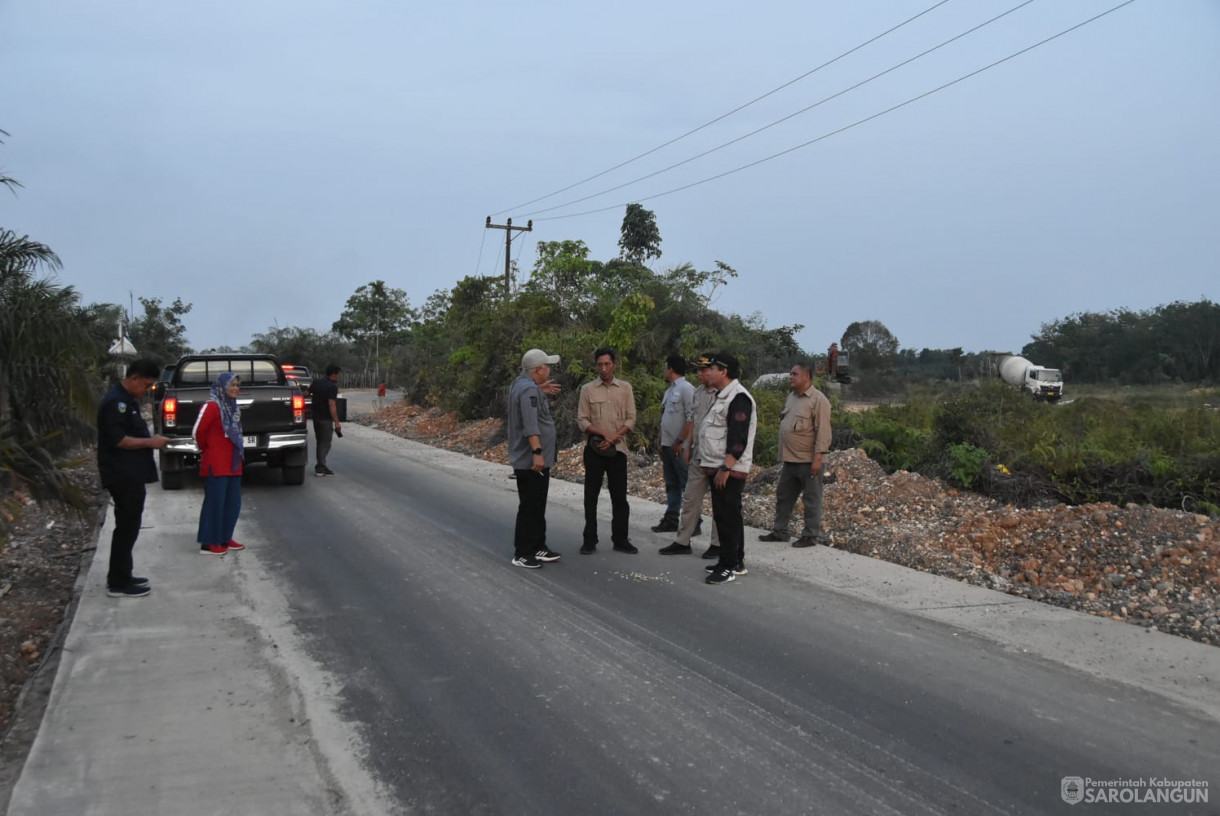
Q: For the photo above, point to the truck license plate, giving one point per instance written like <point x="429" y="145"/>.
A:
<point x="251" y="441"/>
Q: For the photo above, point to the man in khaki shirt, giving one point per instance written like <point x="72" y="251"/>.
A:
<point x="606" y="414"/>
<point x="804" y="435"/>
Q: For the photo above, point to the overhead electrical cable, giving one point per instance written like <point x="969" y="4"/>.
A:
<point x="846" y="127"/>
<point x="499" y="249"/>
<point x="737" y="109"/>
<point x="479" y="264"/>
<point x="793" y="115"/>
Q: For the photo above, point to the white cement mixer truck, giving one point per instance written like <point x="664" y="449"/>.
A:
<point x="1035" y="380"/>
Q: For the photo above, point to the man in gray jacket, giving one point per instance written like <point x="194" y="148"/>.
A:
<point x="531" y="450"/>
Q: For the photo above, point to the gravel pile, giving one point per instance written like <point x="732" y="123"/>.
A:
<point x="1151" y="567"/>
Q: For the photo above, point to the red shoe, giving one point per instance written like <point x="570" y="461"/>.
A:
<point x="233" y="545"/>
<point x="213" y="549"/>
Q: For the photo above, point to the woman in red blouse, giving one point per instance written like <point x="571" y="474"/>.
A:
<point x="218" y="435"/>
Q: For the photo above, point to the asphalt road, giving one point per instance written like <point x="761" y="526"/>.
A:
<point x="617" y="684"/>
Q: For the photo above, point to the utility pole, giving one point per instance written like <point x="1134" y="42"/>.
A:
<point x="508" y="246"/>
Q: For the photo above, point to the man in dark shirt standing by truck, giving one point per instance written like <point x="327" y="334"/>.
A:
<point x="125" y="460"/>
<point x="324" y="392"/>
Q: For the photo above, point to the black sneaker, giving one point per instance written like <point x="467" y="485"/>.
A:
<point x="666" y="526"/>
<point x="720" y="576"/>
<point x="129" y="591"/>
<point x="137" y="581"/>
<point x="588" y="549"/>
<point x="319" y="472"/>
<point x="711" y="552"/>
<point x="327" y="472"/>
<point x="740" y="569"/>
<point x="676" y="549"/>
<point x="529" y="562"/>
<point x="547" y="555"/>
<point x="626" y="547"/>
<point x="773" y="537"/>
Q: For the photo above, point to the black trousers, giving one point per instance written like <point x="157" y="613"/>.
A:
<point x="730" y="526"/>
<point x="323" y="434"/>
<point x="530" y="534"/>
<point x="128" y="511"/>
<point x="614" y="469"/>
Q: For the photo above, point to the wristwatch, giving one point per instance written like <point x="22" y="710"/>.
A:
<point x="538" y="451"/>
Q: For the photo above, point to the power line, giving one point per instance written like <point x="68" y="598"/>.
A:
<point x="498" y="250"/>
<point x="806" y="109"/>
<point x="846" y="127"/>
<point x="479" y="264"/>
<point x="724" y="115"/>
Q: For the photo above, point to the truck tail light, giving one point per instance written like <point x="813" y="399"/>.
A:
<point x="169" y="412"/>
<point x="298" y="409"/>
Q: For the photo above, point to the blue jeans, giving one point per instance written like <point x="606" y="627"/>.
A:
<point x="221" y="506"/>
<point x="674" y="468"/>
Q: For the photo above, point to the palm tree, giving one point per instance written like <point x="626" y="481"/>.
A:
<point x="47" y="387"/>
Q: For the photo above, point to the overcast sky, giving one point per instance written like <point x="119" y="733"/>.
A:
<point x="261" y="160"/>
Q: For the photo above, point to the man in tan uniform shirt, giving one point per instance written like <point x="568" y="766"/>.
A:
<point x="606" y="414"/>
<point x="804" y="435"/>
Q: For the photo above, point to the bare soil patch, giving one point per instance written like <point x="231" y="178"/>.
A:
<point x="39" y="567"/>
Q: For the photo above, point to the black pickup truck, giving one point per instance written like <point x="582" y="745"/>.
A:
<point x="272" y="414"/>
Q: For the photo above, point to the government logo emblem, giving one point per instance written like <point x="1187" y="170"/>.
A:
<point x="1071" y="788"/>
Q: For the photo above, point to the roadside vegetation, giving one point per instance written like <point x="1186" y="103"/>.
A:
<point x="994" y="440"/>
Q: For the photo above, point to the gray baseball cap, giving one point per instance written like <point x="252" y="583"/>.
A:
<point x="536" y="357"/>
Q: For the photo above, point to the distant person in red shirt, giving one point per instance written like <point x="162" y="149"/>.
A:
<point x="832" y="360"/>
<point x="380" y="395"/>
<point x="221" y="451"/>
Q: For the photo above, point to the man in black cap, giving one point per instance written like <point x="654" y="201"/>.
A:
<point x="125" y="461"/>
<point x="726" y="450"/>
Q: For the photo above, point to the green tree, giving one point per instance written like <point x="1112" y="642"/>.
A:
<point x="1178" y="341"/>
<point x="639" y="239"/>
<point x="1188" y="337"/>
<point x="702" y="286"/>
<point x="47" y="382"/>
<point x="870" y="344"/>
<point x="296" y="345"/>
<point x="376" y="316"/>
<point x="563" y="273"/>
<point x="159" y="333"/>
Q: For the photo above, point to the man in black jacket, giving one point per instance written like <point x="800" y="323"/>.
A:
<point x="125" y="460"/>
